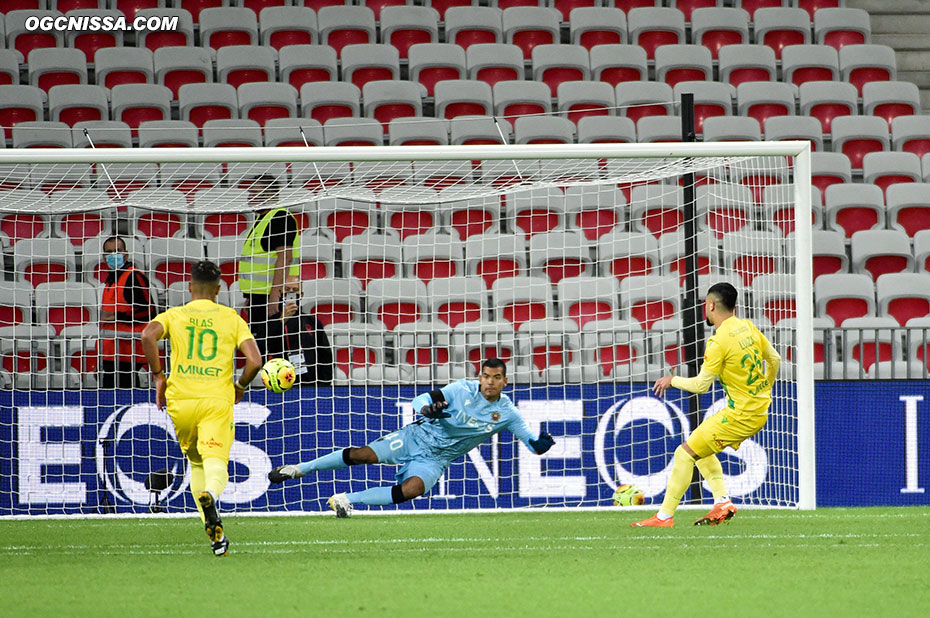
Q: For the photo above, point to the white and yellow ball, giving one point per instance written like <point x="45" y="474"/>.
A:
<point x="628" y="495"/>
<point x="278" y="375"/>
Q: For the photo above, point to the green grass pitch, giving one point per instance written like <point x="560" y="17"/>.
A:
<point x="829" y="562"/>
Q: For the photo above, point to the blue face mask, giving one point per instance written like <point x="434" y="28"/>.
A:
<point x="115" y="260"/>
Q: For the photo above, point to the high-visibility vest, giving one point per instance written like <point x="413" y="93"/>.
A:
<point x="256" y="268"/>
<point x="127" y="343"/>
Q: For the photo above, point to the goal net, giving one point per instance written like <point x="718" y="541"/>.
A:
<point x="582" y="267"/>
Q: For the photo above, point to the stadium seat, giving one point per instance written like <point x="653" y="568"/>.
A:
<point x="148" y="223"/>
<point x="370" y="256"/>
<point x="780" y="128"/>
<point x="672" y="255"/>
<point x="241" y="64"/>
<point x="182" y="36"/>
<point x="52" y="66"/>
<point x="758" y="175"/>
<point x="590" y="26"/>
<point x="353" y="132"/>
<point x="231" y="133"/>
<point x="595" y="211"/>
<point x="624" y="254"/>
<point x="838" y="27"/>
<point x="724" y="208"/>
<point x="908" y="207"/>
<point x="890" y="100"/>
<point x="459" y="97"/>
<point x="638" y="100"/>
<point x="16" y="303"/>
<point x="878" y="252"/>
<point x="168" y="134"/>
<point x="751" y="6"/>
<point x="63" y="304"/>
<point x="617" y="64"/>
<point x="438" y="175"/>
<point x="516" y="98"/>
<point x="21" y="39"/>
<point x="752" y="253"/>
<point x="200" y="103"/>
<point x="404" y="26"/>
<point x="41" y="134"/>
<point x="494" y="62"/>
<point x="809" y="63"/>
<point x="363" y="63"/>
<point x="829" y="168"/>
<point x="652" y="27"/>
<point x="433" y="255"/>
<point x="480" y="129"/>
<point x="177" y="66"/>
<point x="549" y="351"/>
<point x="616" y="349"/>
<point x="656" y="209"/>
<point x="171" y="259"/>
<point x="345" y="25"/>
<point x="857" y="136"/>
<point x="558" y="255"/>
<point x="40" y="260"/>
<point x="774" y="297"/>
<point x="529" y="26"/>
<point x="222" y="26"/>
<point x="115" y="66"/>
<point x="717" y="27"/>
<point x="646" y="299"/>
<point x="386" y="100"/>
<point x="456" y="300"/>
<point x="102" y="134"/>
<point x="844" y="296"/>
<point x="585" y="299"/>
<point x="778" y="201"/>
<point x="345" y="218"/>
<point x="469" y="25"/>
<point x="358" y="352"/>
<point x="79" y="225"/>
<point x="281" y="26"/>
<point x="418" y="132"/>
<point x="397" y="301"/>
<point x="710" y="99"/>
<point x="903" y="296"/>
<point x="74" y="103"/>
<point x="886" y="169"/>
<point x="910" y="133"/>
<point x="430" y="63"/>
<point x="827" y="101"/>
<point x="332" y="301"/>
<point x="263" y="102"/>
<point x="9" y="63"/>
<point x="732" y="129"/>
<point x="829" y="253"/>
<point x="780" y="27"/>
<point x="606" y="129"/>
<point x="317" y="257"/>
<point x="813" y="6"/>
<point x="20" y="103"/>
<point x="543" y="130"/>
<point x="323" y="101"/>
<point x="493" y="256"/>
<point x="521" y="299"/>
<point x="485" y="339"/>
<point x="138" y="103"/>
<point x="764" y="100"/>
<point x="90" y="39"/>
<point x="425" y="348"/>
<point x="853" y="207"/>
<point x="746" y="63"/>
<point x="653" y="129"/>
<point x="300" y="64"/>
<point x="554" y="64"/>
<point x="681" y="63"/>
<point x="581" y="99"/>
<point x="870" y="340"/>
<point x="860" y="64"/>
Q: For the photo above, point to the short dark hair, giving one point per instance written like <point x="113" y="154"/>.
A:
<point x="118" y="240"/>
<point x="205" y="271"/>
<point x="724" y="293"/>
<point x="495" y="363"/>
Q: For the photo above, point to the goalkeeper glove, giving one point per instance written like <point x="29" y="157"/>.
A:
<point x="435" y="410"/>
<point x="543" y="443"/>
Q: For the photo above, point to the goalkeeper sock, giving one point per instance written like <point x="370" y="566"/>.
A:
<point x="197" y="484"/>
<point x="216" y="474"/>
<point x="333" y="461"/>
<point x="376" y="496"/>
<point x="678" y="482"/>
<point x="712" y="472"/>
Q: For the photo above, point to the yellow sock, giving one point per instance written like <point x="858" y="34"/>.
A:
<point x="197" y="485"/>
<point x="712" y="472"/>
<point x="216" y="472"/>
<point x="678" y="482"/>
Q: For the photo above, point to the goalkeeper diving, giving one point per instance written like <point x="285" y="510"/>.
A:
<point x="455" y="419"/>
<point x="746" y="364"/>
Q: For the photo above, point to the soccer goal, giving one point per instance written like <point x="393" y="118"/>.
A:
<point x="583" y="267"/>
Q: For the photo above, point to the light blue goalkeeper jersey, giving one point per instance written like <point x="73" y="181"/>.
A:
<point x="473" y="420"/>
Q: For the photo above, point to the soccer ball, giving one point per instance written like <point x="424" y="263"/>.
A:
<point x="628" y="495"/>
<point x="278" y="375"/>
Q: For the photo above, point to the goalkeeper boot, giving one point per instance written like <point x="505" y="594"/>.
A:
<point x="283" y="473"/>
<point x="340" y="503"/>
<point x="717" y="515"/>
<point x="654" y="522"/>
<point x="212" y="522"/>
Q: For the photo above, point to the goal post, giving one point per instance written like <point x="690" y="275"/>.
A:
<point x="414" y="263"/>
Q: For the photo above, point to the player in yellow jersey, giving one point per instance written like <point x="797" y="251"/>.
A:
<point x="201" y="390"/>
<point x="746" y="364"/>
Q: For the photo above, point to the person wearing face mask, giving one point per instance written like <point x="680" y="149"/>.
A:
<point x="126" y="309"/>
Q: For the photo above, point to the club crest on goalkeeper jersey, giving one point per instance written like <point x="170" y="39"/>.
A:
<point x="472" y="420"/>
<point x="735" y="354"/>
<point x="203" y="337"/>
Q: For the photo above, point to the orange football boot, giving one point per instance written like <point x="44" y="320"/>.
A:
<point x="717" y="515"/>
<point x="654" y="522"/>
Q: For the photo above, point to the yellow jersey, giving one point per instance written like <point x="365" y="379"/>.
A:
<point x="735" y="354"/>
<point x="204" y="337"/>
